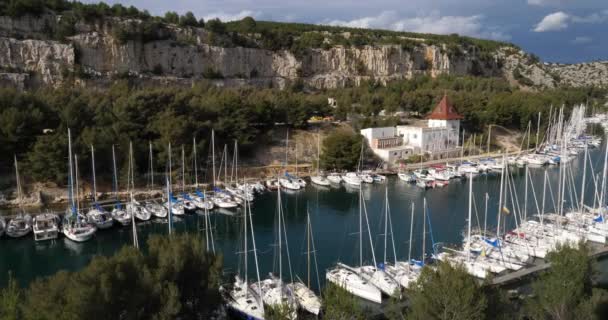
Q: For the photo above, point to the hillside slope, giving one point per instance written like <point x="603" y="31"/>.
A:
<point x="52" y="49"/>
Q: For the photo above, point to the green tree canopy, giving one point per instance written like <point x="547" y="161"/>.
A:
<point x="446" y="292"/>
<point x="177" y="279"/>
<point x="340" y="304"/>
<point x="565" y="291"/>
<point x="341" y="150"/>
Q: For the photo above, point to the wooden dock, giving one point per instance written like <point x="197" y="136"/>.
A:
<point x="596" y="252"/>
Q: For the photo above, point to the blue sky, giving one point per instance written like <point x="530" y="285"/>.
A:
<point x="556" y="30"/>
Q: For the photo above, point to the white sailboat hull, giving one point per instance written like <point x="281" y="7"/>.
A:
<point x="344" y="277"/>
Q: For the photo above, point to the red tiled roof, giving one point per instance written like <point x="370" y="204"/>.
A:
<point x="444" y="111"/>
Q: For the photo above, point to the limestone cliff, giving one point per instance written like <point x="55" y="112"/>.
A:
<point x="96" y="53"/>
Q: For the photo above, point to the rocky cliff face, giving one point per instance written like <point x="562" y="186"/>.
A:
<point x="94" y="56"/>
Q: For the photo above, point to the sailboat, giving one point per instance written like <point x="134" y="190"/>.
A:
<point x="75" y="226"/>
<point x="306" y="298"/>
<point x="97" y="215"/>
<point x="154" y="207"/>
<point x="21" y="225"/>
<point x="493" y="248"/>
<point x="185" y="199"/>
<point x="199" y="198"/>
<point x="471" y="263"/>
<point x="241" y="298"/>
<point x="119" y="214"/>
<point x="134" y="208"/>
<point x="220" y="198"/>
<point x="172" y="204"/>
<point x="288" y="181"/>
<point x="375" y="273"/>
<point x="274" y="291"/>
<point x="349" y="278"/>
<point x="318" y="179"/>
<point x="404" y="272"/>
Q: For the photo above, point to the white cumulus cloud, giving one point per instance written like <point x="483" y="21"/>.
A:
<point x="553" y="22"/>
<point x="433" y="23"/>
<point x="560" y="20"/>
<point x="232" y="16"/>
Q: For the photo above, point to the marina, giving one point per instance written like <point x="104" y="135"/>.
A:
<point x="371" y="250"/>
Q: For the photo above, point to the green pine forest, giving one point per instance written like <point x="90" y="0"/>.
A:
<point x="176" y="115"/>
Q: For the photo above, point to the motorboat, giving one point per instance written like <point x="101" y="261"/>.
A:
<point x="19" y="226"/>
<point x="379" y="178"/>
<point x="352" y="179"/>
<point x="334" y="178"/>
<point x="320" y="181"/>
<point x="367" y="178"/>
<point x="289" y="184"/>
<point x="46" y="226"/>
<point x="100" y="217"/>
<point x="406" y="176"/>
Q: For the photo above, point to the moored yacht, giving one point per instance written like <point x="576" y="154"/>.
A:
<point x="46" y="226"/>
<point x="19" y="226"/>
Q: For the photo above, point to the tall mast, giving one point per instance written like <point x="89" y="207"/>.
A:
<point x="213" y="154"/>
<point x="255" y="255"/>
<point x="279" y="233"/>
<point x="500" y="204"/>
<point x="71" y="175"/>
<point x="93" y="169"/>
<point x="19" y="195"/>
<point x="527" y="172"/>
<point x="485" y="215"/>
<point x="183" y="169"/>
<point x="245" y="246"/>
<point x="195" y="164"/>
<point x="470" y="212"/>
<point x="424" y="230"/>
<point x="409" y="251"/>
<point x="77" y="187"/>
<point x="225" y="160"/>
<point x="603" y="189"/>
<point x="114" y="173"/>
<point x="287" y="150"/>
<point x="385" y="220"/>
<point x="308" y="246"/>
<point x="583" y="182"/>
<point x="318" y="153"/>
<point x="170" y="167"/>
<point x="369" y="232"/>
<point x="538" y="131"/>
<point x="170" y="206"/>
<point x="542" y="210"/>
<point x="360" y="228"/>
<point x="151" y="167"/>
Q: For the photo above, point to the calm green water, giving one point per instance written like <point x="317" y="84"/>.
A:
<point x="334" y="215"/>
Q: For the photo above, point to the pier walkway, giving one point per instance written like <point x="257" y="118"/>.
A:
<point x="596" y="252"/>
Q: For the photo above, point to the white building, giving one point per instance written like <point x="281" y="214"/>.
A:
<point x="437" y="137"/>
